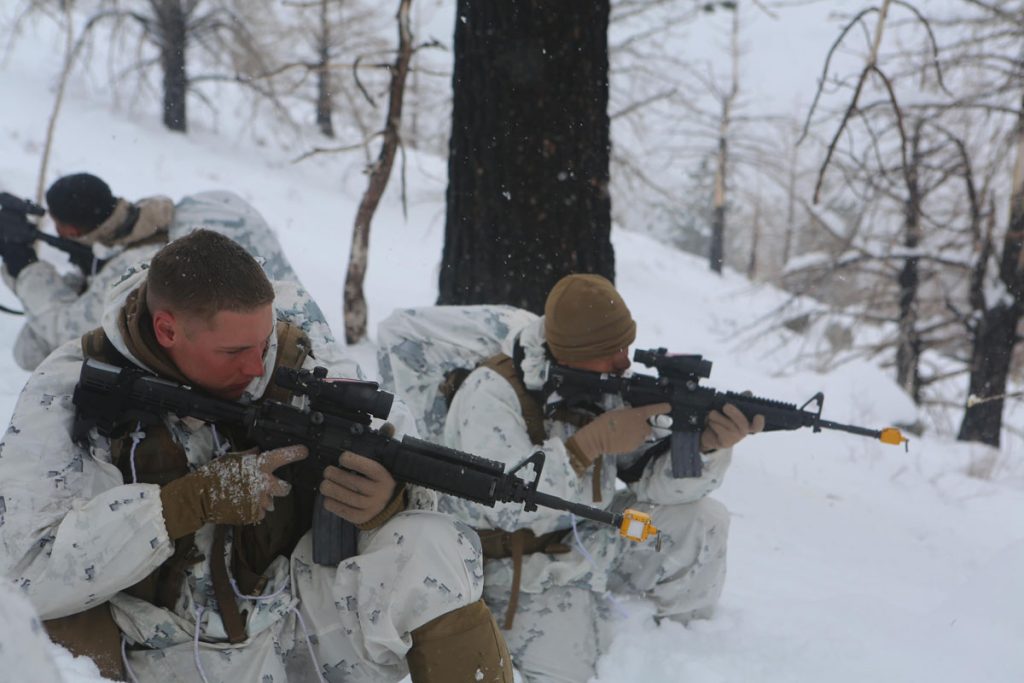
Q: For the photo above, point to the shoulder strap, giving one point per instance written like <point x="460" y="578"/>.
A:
<point x="293" y="347"/>
<point x="530" y="406"/>
<point x="96" y="345"/>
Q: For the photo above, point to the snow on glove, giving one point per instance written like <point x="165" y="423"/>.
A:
<point x="238" y="488"/>
<point x="727" y="428"/>
<point x="617" y="431"/>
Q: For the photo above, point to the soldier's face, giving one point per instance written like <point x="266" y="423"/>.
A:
<point x="221" y="356"/>
<point x="614" y="363"/>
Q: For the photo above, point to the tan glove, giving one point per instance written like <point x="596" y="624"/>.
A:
<point x="361" y="490"/>
<point x="617" y="431"/>
<point x="727" y="428"/>
<point x="238" y="488"/>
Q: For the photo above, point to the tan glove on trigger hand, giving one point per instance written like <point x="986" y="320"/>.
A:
<point x="727" y="428"/>
<point x="617" y="431"/>
<point x="238" y="488"/>
<point x="361" y="490"/>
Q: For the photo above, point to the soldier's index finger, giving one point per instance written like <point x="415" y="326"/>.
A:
<point x="367" y="467"/>
<point x="283" y="456"/>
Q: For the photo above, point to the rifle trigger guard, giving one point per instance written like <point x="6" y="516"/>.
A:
<point x="537" y="460"/>
<point x="818" y="398"/>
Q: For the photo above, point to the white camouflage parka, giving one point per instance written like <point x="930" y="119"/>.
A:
<point x="485" y="418"/>
<point x="74" y="534"/>
<point x="59" y="307"/>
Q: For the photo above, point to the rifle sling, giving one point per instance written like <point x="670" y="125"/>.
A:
<point x="498" y="544"/>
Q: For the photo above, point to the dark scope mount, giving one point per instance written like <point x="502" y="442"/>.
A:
<point x="670" y="365"/>
<point x="348" y="395"/>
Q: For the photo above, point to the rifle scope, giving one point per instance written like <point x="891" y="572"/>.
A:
<point x="9" y="204"/>
<point x="672" y="365"/>
<point x="348" y="395"/>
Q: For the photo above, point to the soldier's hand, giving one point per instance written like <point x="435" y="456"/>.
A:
<point x="360" y="491"/>
<point x="727" y="428"/>
<point x="617" y="431"/>
<point x="238" y="488"/>
<point x="16" y="256"/>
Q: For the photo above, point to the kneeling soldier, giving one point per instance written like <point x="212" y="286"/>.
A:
<point x="175" y="554"/>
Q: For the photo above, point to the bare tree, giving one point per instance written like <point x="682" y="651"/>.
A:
<point x="380" y="173"/>
<point x="728" y="99"/>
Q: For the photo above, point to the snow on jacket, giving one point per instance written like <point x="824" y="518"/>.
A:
<point x="485" y="418"/>
<point x="74" y="534"/>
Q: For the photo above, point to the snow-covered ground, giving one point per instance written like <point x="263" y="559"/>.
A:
<point x="849" y="560"/>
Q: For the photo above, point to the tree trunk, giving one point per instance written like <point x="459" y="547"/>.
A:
<point x="324" y="104"/>
<point x="355" y="312"/>
<point x="527" y="194"/>
<point x="172" y="33"/>
<point x="908" y="344"/>
<point x="755" y="240"/>
<point x="716" y="257"/>
<point x="995" y="335"/>
<point x="990" y="364"/>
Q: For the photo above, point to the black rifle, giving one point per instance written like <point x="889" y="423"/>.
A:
<point x="113" y="399"/>
<point x="16" y="228"/>
<point x="678" y="384"/>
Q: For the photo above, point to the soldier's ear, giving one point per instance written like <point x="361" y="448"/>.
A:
<point x="166" y="328"/>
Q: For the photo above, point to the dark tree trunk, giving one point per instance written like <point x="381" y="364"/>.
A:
<point x="994" y="342"/>
<point x="995" y="334"/>
<point x="908" y="345"/>
<point x="324" y="105"/>
<point x="172" y="35"/>
<point x="528" y="158"/>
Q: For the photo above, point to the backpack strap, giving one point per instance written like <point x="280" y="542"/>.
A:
<point x="96" y="345"/>
<point x="293" y="347"/>
<point x="531" y="408"/>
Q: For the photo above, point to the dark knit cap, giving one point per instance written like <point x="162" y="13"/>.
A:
<point x="82" y="200"/>
<point x="585" y="317"/>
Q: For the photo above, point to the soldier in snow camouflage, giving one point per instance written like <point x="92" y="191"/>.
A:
<point x="189" y="548"/>
<point x="60" y="307"/>
<point x="548" y="576"/>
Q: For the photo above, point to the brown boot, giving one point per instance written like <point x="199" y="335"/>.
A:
<point x="464" y="645"/>
<point x="94" y="634"/>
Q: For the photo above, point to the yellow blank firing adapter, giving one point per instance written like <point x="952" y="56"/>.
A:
<point x="893" y="436"/>
<point x="636" y="526"/>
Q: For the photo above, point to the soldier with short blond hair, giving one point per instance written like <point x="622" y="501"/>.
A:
<point x="177" y="552"/>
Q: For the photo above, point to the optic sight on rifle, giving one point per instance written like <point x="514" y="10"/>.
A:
<point x="678" y="384"/>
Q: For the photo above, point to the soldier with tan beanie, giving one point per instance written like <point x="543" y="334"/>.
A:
<point x="549" y="578"/>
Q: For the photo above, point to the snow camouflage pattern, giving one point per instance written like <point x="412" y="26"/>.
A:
<point x="25" y="650"/>
<point x="562" y="602"/>
<point x="60" y="307"/>
<point x="74" y="534"/>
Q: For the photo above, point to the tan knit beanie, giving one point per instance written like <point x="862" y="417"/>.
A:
<point x="584" y="318"/>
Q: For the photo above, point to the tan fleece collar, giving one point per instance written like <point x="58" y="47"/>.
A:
<point x="136" y="327"/>
<point x="132" y="223"/>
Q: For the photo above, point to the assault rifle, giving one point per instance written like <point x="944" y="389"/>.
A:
<point x="16" y="228"/>
<point x="678" y="384"/>
<point x="112" y="400"/>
